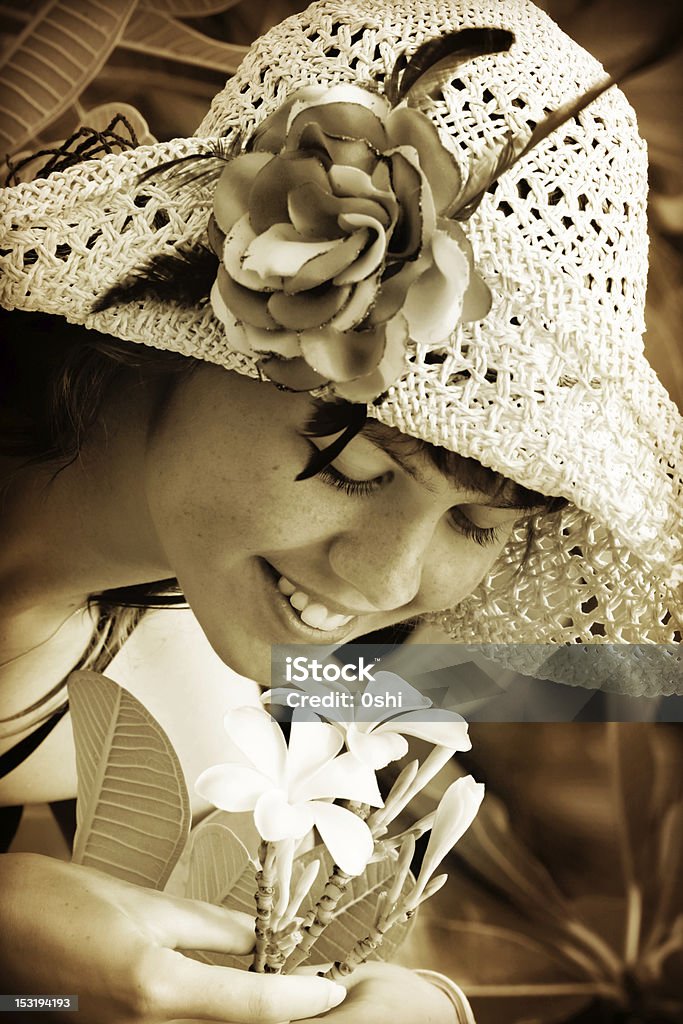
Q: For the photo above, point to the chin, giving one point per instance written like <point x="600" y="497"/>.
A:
<point x="247" y="656"/>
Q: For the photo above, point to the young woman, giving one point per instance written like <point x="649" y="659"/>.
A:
<point x="373" y="353"/>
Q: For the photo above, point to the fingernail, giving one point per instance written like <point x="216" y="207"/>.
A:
<point x="337" y="994"/>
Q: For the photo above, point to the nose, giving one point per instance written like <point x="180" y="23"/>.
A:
<point x="383" y="558"/>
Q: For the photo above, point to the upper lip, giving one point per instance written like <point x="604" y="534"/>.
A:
<point x="332" y="606"/>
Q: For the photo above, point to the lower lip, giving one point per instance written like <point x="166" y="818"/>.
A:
<point x="291" y="618"/>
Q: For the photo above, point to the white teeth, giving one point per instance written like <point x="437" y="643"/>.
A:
<point x="285" y="587"/>
<point x="299" y="600"/>
<point x="313" y="613"/>
<point x="317" y="615"/>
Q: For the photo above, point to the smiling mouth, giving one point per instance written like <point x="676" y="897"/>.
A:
<point x="309" y="613"/>
<point x="312" y="612"/>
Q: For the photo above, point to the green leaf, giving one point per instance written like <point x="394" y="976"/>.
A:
<point x="152" y="33"/>
<point x="355" y="916"/>
<point x="52" y="61"/>
<point x="217" y="860"/>
<point x="133" y="809"/>
<point x="356" y="911"/>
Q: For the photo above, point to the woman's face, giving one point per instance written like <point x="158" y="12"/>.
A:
<point x="370" y="542"/>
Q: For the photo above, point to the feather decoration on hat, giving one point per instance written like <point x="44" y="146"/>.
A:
<point x="436" y="59"/>
<point x="493" y="164"/>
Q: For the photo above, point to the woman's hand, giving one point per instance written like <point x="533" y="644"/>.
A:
<point x="387" y="994"/>
<point x="71" y="930"/>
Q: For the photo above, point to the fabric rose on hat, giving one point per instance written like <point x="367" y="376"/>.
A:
<point x="335" y="243"/>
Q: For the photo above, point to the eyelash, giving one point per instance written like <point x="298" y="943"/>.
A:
<point x="361" y="488"/>
<point x="356" y="488"/>
<point x="481" y="535"/>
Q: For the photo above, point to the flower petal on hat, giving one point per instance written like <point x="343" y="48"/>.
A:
<point x="344" y="778"/>
<point x="272" y="185"/>
<point x="394" y="288"/>
<point x="312" y="308"/>
<point x="416" y="217"/>
<point x="342" y="356"/>
<point x="350" y="182"/>
<point x="434" y="302"/>
<point x="275" y="818"/>
<point x="345" y="835"/>
<point x="293" y="374"/>
<point x="238" y="240"/>
<point x="315" y="212"/>
<point x="328" y="265"/>
<point x="282" y="252"/>
<point x="390" y="369"/>
<point x="246" y="304"/>
<point x="234" y="331"/>
<point x="408" y="127"/>
<point x="268" y="343"/>
<point x="232" y="787"/>
<point x="359" y="303"/>
<point x="231" y="198"/>
<point x="376" y="750"/>
<point x="347" y="152"/>
<point x="373" y="257"/>
<point x="270" y="134"/>
<point x="216" y="236"/>
<point x="476" y="302"/>
<point x="318" y="95"/>
<point x="344" y="123"/>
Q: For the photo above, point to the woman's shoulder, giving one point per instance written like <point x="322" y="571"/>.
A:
<point x="169" y="666"/>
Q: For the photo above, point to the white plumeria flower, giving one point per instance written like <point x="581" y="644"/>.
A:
<point x="289" y="788"/>
<point x="457" y="810"/>
<point x="376" y="735"/>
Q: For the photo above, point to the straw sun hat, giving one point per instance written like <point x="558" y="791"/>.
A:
<point x="549" y="386"/>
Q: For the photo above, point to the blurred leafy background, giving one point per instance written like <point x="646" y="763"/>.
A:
<point x="565" y="897"/>
<point x="67" y="63"/>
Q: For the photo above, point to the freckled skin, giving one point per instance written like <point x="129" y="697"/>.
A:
<point x="220" y="469"/>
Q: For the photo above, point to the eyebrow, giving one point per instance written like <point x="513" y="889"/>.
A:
<point x="496" y="490"/>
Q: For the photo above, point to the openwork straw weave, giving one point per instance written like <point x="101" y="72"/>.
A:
<point x="552" y="389"/>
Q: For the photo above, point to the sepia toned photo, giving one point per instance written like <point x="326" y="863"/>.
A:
<point x="341" y="506"/>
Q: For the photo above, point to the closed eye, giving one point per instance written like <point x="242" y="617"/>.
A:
<point x="482" y="535"/>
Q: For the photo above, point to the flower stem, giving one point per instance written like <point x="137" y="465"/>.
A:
<point x="323" y="912"/>
<point x="335" y="887"/>
<point x="265" y="888"/>
<point x="363" y="949"/>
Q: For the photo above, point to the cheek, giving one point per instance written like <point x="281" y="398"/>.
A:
<point x="217" y="503"/>
<point x="453" y="571"/>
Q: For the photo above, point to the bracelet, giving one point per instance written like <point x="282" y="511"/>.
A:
<point x="463" y="1010"/>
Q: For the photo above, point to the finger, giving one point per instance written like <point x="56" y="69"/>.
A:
<point x="220" y="993"/>
<point x="191" y="924"/>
